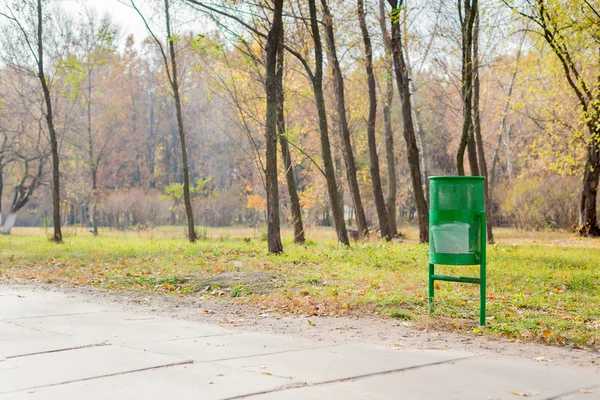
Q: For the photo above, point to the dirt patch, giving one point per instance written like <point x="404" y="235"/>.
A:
<point x="230" y="312"/>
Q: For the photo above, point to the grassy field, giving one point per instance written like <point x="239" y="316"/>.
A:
<point x="541" y="286"/>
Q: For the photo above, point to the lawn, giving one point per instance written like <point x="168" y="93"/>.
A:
<point x="541" y="287"/>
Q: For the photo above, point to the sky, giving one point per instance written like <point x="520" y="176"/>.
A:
<point x="125" y="16"/>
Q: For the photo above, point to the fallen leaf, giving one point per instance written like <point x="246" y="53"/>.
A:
<point x="311" y="323"/>
<point x="436" y="286"/>
<point x="546" y="334"/>
<point x="211" y="382"/>
<point x="525" y="394"/>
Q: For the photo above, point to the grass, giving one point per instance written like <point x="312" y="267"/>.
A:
<point x="541" y="287"/>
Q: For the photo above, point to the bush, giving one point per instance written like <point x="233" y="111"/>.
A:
<point x="135" y="207"/>
<point x="541" y="203"/>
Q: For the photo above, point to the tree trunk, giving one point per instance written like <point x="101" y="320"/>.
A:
<point x="299" y="236"/>
<point x="387" y="123"/>
<point x="373" y="157"/>
<point x="9" y="223"/>
<point x="57" y="238"/>
<point x="93" y="165"/>
<point x="95" y="201"/>
<point x="477" y="128"/>
<point x="23" y="193"/>
<point x="185" y="166"/>
<point x="338" y="82"/>
<point x="467" y="22"/>
<point x="273" y="224"/>
<point x="472" y="150"/>
<point x="588" y="218"/>
<point x="332" y="189"/>
<point x="412" y="150"/>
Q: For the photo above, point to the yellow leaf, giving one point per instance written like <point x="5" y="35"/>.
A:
<point x="546" y="334"/>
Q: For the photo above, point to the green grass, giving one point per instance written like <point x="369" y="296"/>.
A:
<point x="538" y="289"/>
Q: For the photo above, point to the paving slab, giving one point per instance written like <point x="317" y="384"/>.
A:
<point x="475" y="378"/>
<point x="122" y="327"/>
<point x="341" y="362"/>
<point x="194" y="381"/>
<point x="18" y="341"/>
<point x="27" y="373"/>
<point x="15" y="304"/>
<point x="226" y="347"/>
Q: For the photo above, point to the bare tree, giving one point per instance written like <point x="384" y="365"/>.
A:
<point x="299" y="236"/>
<point x="388" y="99"/>
<point x="402" y="81"/>
<point x="467" y="13"/>
<point x="340" y="97"/>
<point x="483" y="170"/>
<point x="271" y="88"/>
<point x="373" y="157"/>
<point x="33" y="39"/>
<point x="170" y="63"/>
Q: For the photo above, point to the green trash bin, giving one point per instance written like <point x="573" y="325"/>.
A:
<point x="457" y="230"/>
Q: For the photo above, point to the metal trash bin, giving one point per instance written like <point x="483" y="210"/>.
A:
<point x="457" y="230"/>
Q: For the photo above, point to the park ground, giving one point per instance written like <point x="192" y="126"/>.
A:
<point x="542" y="287"/>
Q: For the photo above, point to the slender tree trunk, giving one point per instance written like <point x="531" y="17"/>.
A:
<point x="57" y="238"/>
<point x="185" y="165"/>
<point x="477" y="128"/>
<point x="299" y="236"/>
<point x="271" y="88"/>
<point x="338" y="82"/>
<point x="467" y="21"/>
<point x="513" y="78"/>
<point x="337" y="211"/>
<point x="92" y="164"/>
<point x="152" y="146"/>
<point x="95" y="201"/>
<point x="402" y="81"/>
<point x="387" y="123"/>
<point x="373" y="157"/>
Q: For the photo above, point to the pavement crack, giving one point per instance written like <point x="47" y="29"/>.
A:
<point x="85" y="346"/>
<point x="269" y="354"/>
<point x="587" y="390"/>
<point x="54" y="315"/>
<point x="101" y="376"/>
<point x="350" y="378"/>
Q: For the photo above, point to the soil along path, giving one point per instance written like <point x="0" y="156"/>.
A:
<point x="82" y="343"/>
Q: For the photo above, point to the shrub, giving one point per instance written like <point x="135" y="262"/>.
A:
<point x="541" y="203"/>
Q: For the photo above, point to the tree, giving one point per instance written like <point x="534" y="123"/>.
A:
<point x="483" y="170"/>
<point x="170" y="64"/>
<point x="271" y="88"/>
<point x="97" y="41"/>
<point x="373" y="157"/>
<point x="31" y="30"/>
<point x="467" y="14"/>
<point x="299" y="236"/>
<point x="340" y="97"/>
<point x="388" y="98"/>
<point x="570" y="29"/>
<point x="402" y="81"/>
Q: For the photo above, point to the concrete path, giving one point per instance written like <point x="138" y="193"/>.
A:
<point x="56" y="346"/>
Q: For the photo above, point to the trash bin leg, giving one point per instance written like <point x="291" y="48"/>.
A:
<point x="482" y="276"/>
<point x="431" y="287"/>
